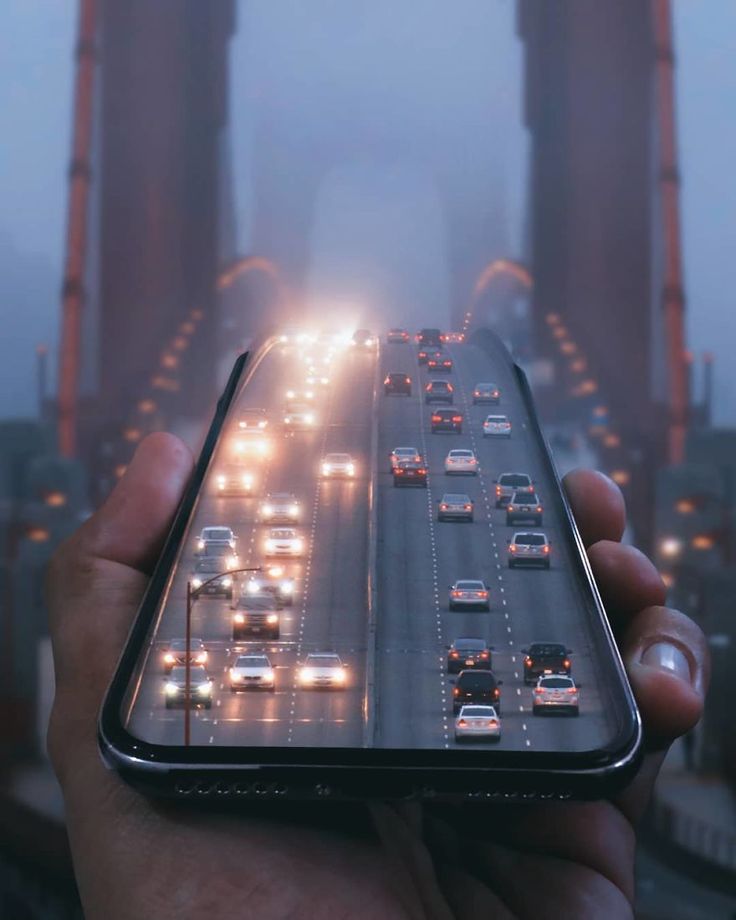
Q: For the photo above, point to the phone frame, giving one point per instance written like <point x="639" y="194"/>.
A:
<point x="362" y="773"/>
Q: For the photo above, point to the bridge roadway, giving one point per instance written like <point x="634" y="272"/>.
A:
<point x="417" y="558"/>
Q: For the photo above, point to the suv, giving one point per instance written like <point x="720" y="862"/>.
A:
<point x="545" y="658"/>
<point x="556" y="693"/>
<point x="430" y="336"/>
<point x="476" y="686"/>
<point x="207" y="578"/>
<point x="509" y="484"/>
<point x="256" y="615"/>
<point x="397" y="337"/>
<point x="529" y="549"/>
<point x="446" y="420"/>
<point x="438" y="391"/>
<point x="410" y="473"/>
<point x="397" y="383"/>
<point x="280" y="508"/>
<point x="524" y="506"/>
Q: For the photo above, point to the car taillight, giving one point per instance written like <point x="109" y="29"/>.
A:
<point x="538" y="690"/>
<point x="461" y="722"/>
<point x="450" y="388"/>
<point x="428" y="387"/>
<point x="422" y="472"/>
<point x="539" y="507"/>
<point x="566" y="663"/>
<point x="545" y="549"/>
<point x="456" y="593"/>
<point x="436" y="418"/>
<point x="528" y="662"/>
<point x="456" y="691"/>
<point x="399" y="471"/>
<point x="484" y="654"/>
<point x="443" y="507"/>
<point x="454" y="654"/>
<point x="492" y="723"/>
<point x="512" y="548"/>
<point x="572" y="689"/>
<point x="407" y="380"/>
<point x="457" y="418"/>
<point x="387" y="380"/>
<point x="509" y="507"/>
<point x="498" y="490"/>
<point x="476" y="393"/>
<point x="468" y="507"/>
<point x="496" y="693"/>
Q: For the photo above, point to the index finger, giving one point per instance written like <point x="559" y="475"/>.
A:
<point x="597" y="504"/>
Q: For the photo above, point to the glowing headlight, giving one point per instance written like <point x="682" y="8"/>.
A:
<point x="287" y="586"/>
<point x="283" y="338"/>
<point x="204" y="689"/>
<point x="309" y="418"/>
<point x="290" y="394"/>
<point x="262" y="448"/>
<point x="268" y="510"/>
<point x="196" y="582"/>
<point x="339" y="675"/>
<point x="293" y="510"/>
<point x="221" y="481"/>
<point x="269" y="546"/>
<point x="200" y="544"/>
<point x="171" y="689"/>
<point x="298" y="545"/>
<point x="325" y="380"/>
<point x="272" y="618"/>
<point x="268" y="677"/>
<point x="226" y="582"/>
<point x="201" y="657"/>
<point x="275" y="571"/>
<point x="232" y="561"/>
<point x="247" y="480"/>
<point x="326" y="469"/>
<point x="240" y="446"/>
<point x="253" y="587"/>
<point x="306" y="675"/>
<point x="262" y="423"/>
<point x="239" y="618"/>
<point x="351" y="469"/>
<point x="169" y="658"/>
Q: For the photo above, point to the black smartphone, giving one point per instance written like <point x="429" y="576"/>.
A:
<point x="373" y="587"/>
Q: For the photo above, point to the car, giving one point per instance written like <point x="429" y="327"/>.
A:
<point x="299" y="395"/>
<point x="556" y="693"/>
<point x="397" y="384"/>
<point x="222" y="551"/>
<point x="439" y="391"/>
<point x="446" y="420"/>
<point x="273" y="579"/>
<point x="206" y="578"/>
<point x="410" y="473"/>
<point x="200" y="687"/>
<point x="529" y="549"/>
<point x="234" y="479"/>
<point x="280" y="508"/>
<point x="256" y="615"/>
<point x="175" y="653"/>
<point x="461" y="461"/>
<point x="216" y="532"/>
<point x="403" y="453"/>
<point x="293" y="335"/>
<point x="476" y="685"/>
<point x="486" y="393"/>
<point x="429" y="336"/>
<point x="453" y="337"/>
<point x="317" y="377"/>
<point x="423" y="355"/>
<point x="477" y="722"/>
<point x="524" y="507"/>
<point x="251" y="442"/>
<point x="496" y="426"/>
<point x="439" y="363"/>
<point x="252" y="672"/>
<point x="397" y="337"/>
<point x="283" y="541"/>
<point x="469" y="592"/>
<point x="252" y="419"/>
<point x="454" y="506"/>
<point x="363" y="338"/>
<point x="470" y="652"/>
<point x="545" y="658"/>
<point x="338" y="466"/>
<point x="323" y="669"/>
<point x="299" y="416"/>
<point x="509" y="484"/>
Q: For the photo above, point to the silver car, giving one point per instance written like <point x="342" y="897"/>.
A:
<point x="509" y="483"/>
<point x="200" y="687"/>
<point x="461" y="461"/>
<point x="469" y="592"/>
<point x="476" y="721"/>
<point x="529" y="549"/>
<point x="398" y="454"/>
<point x="252" y="672"/>
<point x="280" y="508"/>
<point x="496" y="426"/>
<point x="338" y="465"/>
<point x="283" y="541"/>
<point x="298" y="416"/>
<point x="556" y="693"/>
<point x="323" y="669"/>
<point x="455" y="507"/>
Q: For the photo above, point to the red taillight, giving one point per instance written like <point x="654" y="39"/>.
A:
<point x="476" y="393"/>
<point x="496" y="693"/>
<point x="461" y="722"/>
<point x="537" y="689"/>
<point x="457" y="418"/>
<point x="495" y="393"/>
<point x="572" y="689"/>
<point x="539" y="508"/>
<point x="492" y="722"/>
<point x="528" y="662"/>
<point x="509" y="507"/>
<point x="498" y="490"/>
<point x="468" y="507"/>
<point x="454" y="654"/>
<point x="387" y="380"/>
<point x="399" y="471"/>
<point x="407" y="379"/>
<point x="512" y="548"/>
<point x="422" y="472"/>
<point x="436" y="418"/>
<point x="451" y="388"/>
<point x="566" y="663"/>
<point x="456" y="593"/>
<point x="443" y="507"/>
<point x="545" y="548"/>
<point x="484" y="654"/>
<point x="456" y="691"/>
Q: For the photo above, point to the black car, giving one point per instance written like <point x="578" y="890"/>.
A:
<point x="468" y="653"/>
<point x="430" y="336"/>
<point x="476" y="686"/>
<point x="440" y="363"/>
<point x="203" y="580"/>
<point x="545" y="658"/>
<point x="256" y="615"/>
<point x="410" y="473"/>
<point x="447" y="420"/>
<point x="397" y="383"/>
<point x="423" y="354"/>
<point x="439" y="391"/>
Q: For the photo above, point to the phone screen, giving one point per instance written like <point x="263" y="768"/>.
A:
<point x="379" y="556"/>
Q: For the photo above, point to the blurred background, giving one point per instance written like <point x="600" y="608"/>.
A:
<point x="178" y="176"/>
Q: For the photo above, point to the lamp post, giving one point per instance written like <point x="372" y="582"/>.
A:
<point x="192" y="595"/>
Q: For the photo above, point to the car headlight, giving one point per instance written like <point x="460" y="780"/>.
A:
<point x="283" y="338"/>
<point x="339" y="675"/>
<point x="290" y="394"/>
<point x="293" y="510"/>
<point x="232" y="561"/>
<point x="326" y="469"/>
<point x="169" y="658"/>
<point x="351" y="469"/>
<point x="272" y="618"/>
<point x="268" y="677"/>
<point x="325" y="380"/>
<point x="204" y="689"/>
<point x="171" y="689"/>
<point x="196" y="582"/>
<point x="306" y="674"/>
<point x="200" y="544"/>
<point x="298" y="545"/>
<point x="268" y="510"/>
<point x="247" y="480"/>
<point x="226" y="582"/>
<point x="239" y="618"/>
<point x="287" y="420"/>
<point x="269" y="545"/>
<point x="253" y="587"/>
<point x="262" y="448"/>
<point x="221" y="481"/>
<point x="287" y="586"/>
<point x="262" y="424"/>
<point x="309" y="419"/>
<point x="201" y="657"/>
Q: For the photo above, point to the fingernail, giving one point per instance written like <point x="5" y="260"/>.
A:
<point x="668" y="657"/>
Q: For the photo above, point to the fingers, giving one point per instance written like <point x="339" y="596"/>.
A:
<point x="597" y="505"/>
<point x="627" y="580"/>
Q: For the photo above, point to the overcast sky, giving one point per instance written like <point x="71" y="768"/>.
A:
<point x="36" y="42"/>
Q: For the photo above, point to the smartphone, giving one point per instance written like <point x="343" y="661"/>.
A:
<point x="373" y="587"/>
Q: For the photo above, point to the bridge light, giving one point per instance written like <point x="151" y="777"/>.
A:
<point x="685" y="506"/>
<point x="621" y="477"/>
<point x="702" y="541"/>
<point x="146" y="406"/>
<point x="670" y="547"/>
<point x="55" y="499"/>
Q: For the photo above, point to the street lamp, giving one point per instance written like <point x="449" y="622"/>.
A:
<point x="192" y="596"/>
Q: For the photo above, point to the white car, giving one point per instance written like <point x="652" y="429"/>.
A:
<point x="233" y="479"/>
<point x="477" y="721"/>
<point x="280" y="508"/>
<point x="299" y="415"/>
<point x="252" y="442"/>
<point x="252" y="672"/>
<point x="252" y="418"/>
<point x="496" y="426"/>
<point x="316" y="377"/>
<point x="461" y="461"/>
<point x="207" y="534"/>
<point x="338" y="465"/>
<point x="323" y="669"/>
<point x="529" y="549"/>
<point x="468" y="592"/>
<point x="556" y="693"/>
<point x="283" y="541"/>
<point x="399" y="454"/>
<point x="298" y="395"/>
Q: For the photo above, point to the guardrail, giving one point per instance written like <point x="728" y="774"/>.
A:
<point x="714" y="845"/>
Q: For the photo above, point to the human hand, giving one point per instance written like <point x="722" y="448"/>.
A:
<point x="138" y="858"/>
